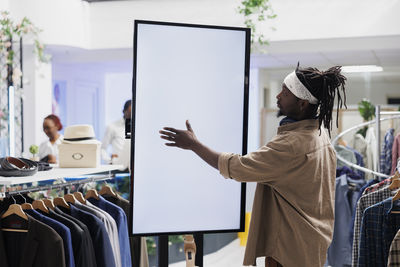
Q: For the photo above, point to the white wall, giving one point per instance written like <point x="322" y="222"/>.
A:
<point x="37" y="98"/>
<point x="117" y="90"/>
<point x="110" y="24"/>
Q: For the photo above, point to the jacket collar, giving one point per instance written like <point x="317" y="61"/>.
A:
<point x="303" y="124"/>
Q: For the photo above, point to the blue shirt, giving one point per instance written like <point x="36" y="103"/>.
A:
<point x="120" y="218"/>
<point x="98" y="233"/>
<point x="62" y="230"/>
<point x="386" y="153"/>
<point x="339" y="252"/>
<point x="378" y="228"/>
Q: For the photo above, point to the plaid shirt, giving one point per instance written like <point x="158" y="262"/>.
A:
<point x="365" y="202"/>
<point x="386" y="153"/>
<point x="394" y="252"/>
<point x="378" y="229"/>
<point x="377" y="186"/>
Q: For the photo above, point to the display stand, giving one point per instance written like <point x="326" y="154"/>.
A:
<point x="163" y="247"/>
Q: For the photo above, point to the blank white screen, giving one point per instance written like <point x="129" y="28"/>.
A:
<point x="186" y="73"/>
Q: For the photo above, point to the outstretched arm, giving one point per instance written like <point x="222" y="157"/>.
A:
<point x="186" y="139"/>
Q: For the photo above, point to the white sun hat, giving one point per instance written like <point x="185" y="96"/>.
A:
<point x="80" y="134"/>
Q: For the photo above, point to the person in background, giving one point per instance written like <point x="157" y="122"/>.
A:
<point x="115" y="136"/>
<point x="48" y="150"/>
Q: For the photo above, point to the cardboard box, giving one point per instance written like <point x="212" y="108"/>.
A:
<point x="79" y="155"/>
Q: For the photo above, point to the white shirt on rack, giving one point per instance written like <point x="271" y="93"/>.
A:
<point x="115" y="136"/>
<point x="47" y="148"/>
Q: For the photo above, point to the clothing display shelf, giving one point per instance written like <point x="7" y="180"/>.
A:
<point x="83" y="175"/>
<point x="377" y="121"/>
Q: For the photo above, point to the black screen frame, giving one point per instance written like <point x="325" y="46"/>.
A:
<point x="245" y="124"/>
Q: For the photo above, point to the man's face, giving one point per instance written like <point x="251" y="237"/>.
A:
<point x="127" y="113"/>
<point x="287" y="103"/>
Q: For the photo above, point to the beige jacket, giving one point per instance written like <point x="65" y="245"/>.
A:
<point x="293" y="209"/>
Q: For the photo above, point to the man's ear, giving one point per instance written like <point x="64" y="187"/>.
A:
<point x="303" y="104"/>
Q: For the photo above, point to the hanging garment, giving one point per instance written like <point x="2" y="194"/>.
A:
<point x="378" y="228"/>
<point x="365" y="202"/>
<point x="98" y="233"/>
<point x="41" y="246"/>
<point x="361" y="145"/>
<point x="62" y="230"/>
<point x="360" y="161"/>
<point x="345" y="153"/>
<point x="86" y="238"/>
<point x="339" y="252"/>
<point x="386" y="153"/>
<point x="120" y="218"/>
<point x="371" y="140"/>
<point x="395" y="152"/>
<point x="376" y="186"/>
<point x="137" y="244"/>
<point x="110" y="225"/>
<point x="365" y="186"/>
<point x="81" y="245"/>
<point x="394" y="251"/>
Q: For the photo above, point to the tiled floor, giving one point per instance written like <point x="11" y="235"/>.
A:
<point x="229" y="256"/>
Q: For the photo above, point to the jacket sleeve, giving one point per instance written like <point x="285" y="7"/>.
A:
<point x="263" y="165"/>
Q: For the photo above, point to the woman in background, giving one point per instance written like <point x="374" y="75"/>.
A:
<point x="48" y="150"/>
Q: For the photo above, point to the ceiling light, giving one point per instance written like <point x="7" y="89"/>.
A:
<point x="362" y="68"/>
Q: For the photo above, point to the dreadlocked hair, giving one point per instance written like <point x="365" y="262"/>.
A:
<point x="324" y="85"/>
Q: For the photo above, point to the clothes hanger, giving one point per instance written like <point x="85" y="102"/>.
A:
<point x="79" y="197"/>
<point x="39" y="205"/>
<point x="70" y="198"/>
<point x="15" y="209"/>
<point x="395" y="184"/>
<point x="59" y="201"/>
<point x="106" y="190"/>
<point x="49" y="203"/>
<point x="26" y="206"/>
<point x="92" y="193"/>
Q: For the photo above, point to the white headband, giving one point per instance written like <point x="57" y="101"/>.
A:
<point x="298" y="89"/>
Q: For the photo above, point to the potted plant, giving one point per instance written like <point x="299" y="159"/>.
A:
<point x="34" y="149"/>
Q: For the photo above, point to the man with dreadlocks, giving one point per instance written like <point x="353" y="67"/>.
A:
<point x="293" y="211"/>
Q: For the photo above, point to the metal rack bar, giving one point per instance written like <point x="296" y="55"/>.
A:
<point x="93" y="178"/>
<point x="378" y="137"/>
<point x="377" y="121"/>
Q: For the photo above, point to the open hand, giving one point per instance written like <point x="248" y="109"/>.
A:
<point x="185" y="139"/>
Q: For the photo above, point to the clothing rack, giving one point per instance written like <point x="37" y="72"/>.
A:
<point x="93" y="178"/>
<point x="377" y="121"/>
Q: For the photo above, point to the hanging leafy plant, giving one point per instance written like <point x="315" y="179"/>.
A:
<point x="10" y="32"/>
<point x="367" y="111"/>
<point x="255" y="12"/>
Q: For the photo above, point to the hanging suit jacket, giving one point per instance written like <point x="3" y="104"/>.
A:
<point x="98" y="233"/>
<point x="81" y="243"/>
<point x="138" y="244"/>
<point x="41" y="246"/>
<point x="62" y="230"/>
<point x="120" y="218"/>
